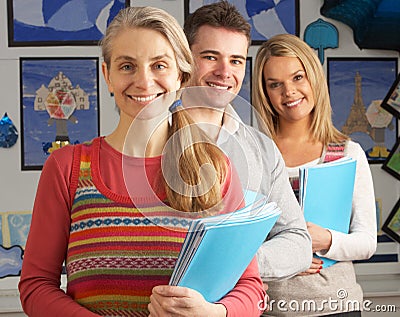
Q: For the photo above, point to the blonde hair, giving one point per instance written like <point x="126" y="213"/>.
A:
<point x="288" y="45"/>
<point x="200" y="151"/>
<point x="153" y="19"/>
<point x="194" y="188"/>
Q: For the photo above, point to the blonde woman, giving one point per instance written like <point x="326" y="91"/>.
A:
<point x="291" y="97"/>
<point x="106" y="208"/>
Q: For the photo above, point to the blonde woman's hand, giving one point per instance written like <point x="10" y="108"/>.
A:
<point x="176" y="301"/>
<point x="316" y="266"/>
<point x="321" y="237"/>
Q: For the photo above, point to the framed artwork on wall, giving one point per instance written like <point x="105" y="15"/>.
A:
<point x="392" y="163"/>
<point x="267" y="18"/>
<point x="62" y="22"/>
<point x="59" y="105"/>
<point x="392" y="223"/>
<point x="378" y="208"/>
<point x="242" y="103"/>
<point x="11" y="261"/>
<point x="391" y="103"/>
<point x="357" y="87"/>
<point x="14" y="229"/>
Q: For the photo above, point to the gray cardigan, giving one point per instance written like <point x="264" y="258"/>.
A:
<point x="261" y="168"/>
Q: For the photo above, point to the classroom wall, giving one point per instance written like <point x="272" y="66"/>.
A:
<point x="17" y="187"/>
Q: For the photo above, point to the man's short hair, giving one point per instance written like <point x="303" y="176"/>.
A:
<point x="220" y="14"/>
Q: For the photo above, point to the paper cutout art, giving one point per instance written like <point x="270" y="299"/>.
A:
<point x="266" y="17"/>
<point x="321" y="35"/>
<point x="372" y="121"/>
<point x="391" y="103"/>
<point x="375" y="23"/>
<point x="392" y="163"/>
<point x="379" y="120"/>
<point x="60" y="22"/>
<point x="14" y="229"/>
<point x="60" y="99"/>
<point x="8" y="132"/>
<point x="354" y="83"/>
<point x="10" y="261"/>
<point x="59" y="103"/>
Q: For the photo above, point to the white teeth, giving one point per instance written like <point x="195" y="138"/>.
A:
<point x="144" y="99"/>
<point x="294" y="103"/>
<point x="218" y="87"/>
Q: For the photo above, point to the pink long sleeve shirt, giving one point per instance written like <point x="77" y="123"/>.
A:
<point x="88" y="233"/>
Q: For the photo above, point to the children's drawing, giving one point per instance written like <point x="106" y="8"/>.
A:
<point x="59" y="105"/>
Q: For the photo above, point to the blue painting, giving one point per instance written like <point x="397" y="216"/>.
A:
<point x="375" y="23"/>
<point x="59" y="22"/>
<point x="357" y="88"/>
<point x="59" y="105"/>
<point x="266" y="17"/>
<point x="10" y="261"/>
<point x="18" y="226"/>
<point x="14" y="229"/>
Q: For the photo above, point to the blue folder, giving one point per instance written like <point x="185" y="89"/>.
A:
<point x="218" y="249"/>
<point x="326" y="195"/>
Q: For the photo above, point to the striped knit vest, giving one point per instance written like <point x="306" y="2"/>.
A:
<point x="333" y="152"/>
<point x="117" y="253"/>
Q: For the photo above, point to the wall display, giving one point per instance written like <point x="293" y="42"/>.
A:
<point x="242" y="103"/>
<point x="374" y="22"/>
<point x="321" y="35"/>
<point x="378" y="207"/>
<point x="392" y="100"/>
<point x="392" y="163"/>
<point x="14" y="228"/>
<point x="59" y="105"/>
<point x="267" y="18"/>
<point x="61" y="22"/>
<point x="11" y="261"/>
<point x="357" y="87"/>
<point x="8" y="132"/>
<point x="392" y="223"/>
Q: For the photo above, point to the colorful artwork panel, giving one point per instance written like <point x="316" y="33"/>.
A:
<point x="391" y="103"/>
<point x="267" y="18"/>
<point x="59" y="105"/>
<point x="392" y="163"/>
<point x="59" y="22"/>
<point x="357" y="88"/>
<point x="392" y="223"/>
<point x="10" y="261"/>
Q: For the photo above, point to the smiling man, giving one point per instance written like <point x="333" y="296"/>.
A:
<point x="219" y="38"/>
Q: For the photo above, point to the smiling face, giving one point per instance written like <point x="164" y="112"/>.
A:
<point x="288" y="88"/>
<point x="142" y="68"/>
<point x="220" y="58"/>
